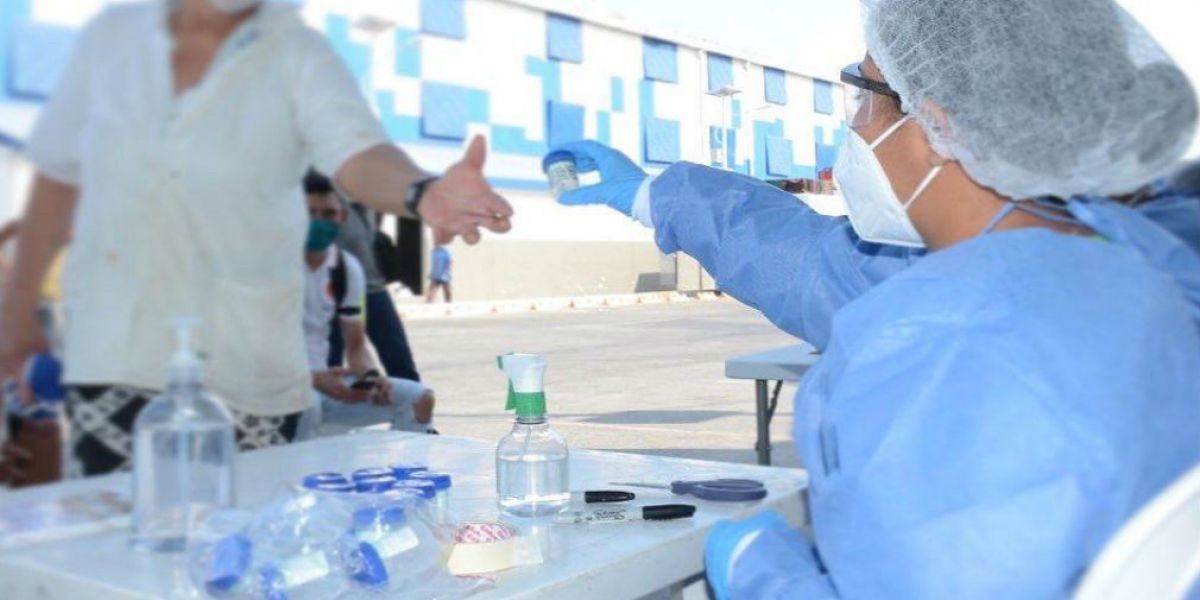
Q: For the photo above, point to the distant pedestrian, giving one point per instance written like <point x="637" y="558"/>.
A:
<point x="439" y="274"/>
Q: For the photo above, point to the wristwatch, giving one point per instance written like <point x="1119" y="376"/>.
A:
<point x="416" y="192"/>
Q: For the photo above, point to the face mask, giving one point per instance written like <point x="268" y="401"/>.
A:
<point x="234" y="6"/>
<point x="321" y="234"/>
<point x="875" y="212"/>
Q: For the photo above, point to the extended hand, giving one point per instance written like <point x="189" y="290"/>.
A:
<point x="462" y="200"/>
<point x="620" y="177"/>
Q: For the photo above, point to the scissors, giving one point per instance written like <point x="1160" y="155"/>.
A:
<point x="717" y="490"/>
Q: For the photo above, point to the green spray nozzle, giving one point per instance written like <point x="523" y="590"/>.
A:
<point x="526" y="391"/>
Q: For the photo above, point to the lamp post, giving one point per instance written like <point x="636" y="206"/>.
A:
<point x="726" y="95"/>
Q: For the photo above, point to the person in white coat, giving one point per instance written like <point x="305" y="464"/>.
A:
<point x="169" y="155"/>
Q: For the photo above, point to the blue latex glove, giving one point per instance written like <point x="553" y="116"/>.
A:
<point x="724" y="540"/>
<point x="620" y="177"/>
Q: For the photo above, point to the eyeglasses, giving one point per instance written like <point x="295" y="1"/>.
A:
<point x="867" y="97"/>
<point x="325" y="214"/>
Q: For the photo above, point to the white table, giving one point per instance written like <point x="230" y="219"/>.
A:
<point x="598" y="561"/>
<point x="779" y="365"/>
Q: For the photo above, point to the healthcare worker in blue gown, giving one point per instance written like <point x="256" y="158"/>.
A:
<point x="986" y="417"/>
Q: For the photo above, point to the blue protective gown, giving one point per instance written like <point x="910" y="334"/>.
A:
<point x="1177" y="213"/>
<point x="984" y="418"/>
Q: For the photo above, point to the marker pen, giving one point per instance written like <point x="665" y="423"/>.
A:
<point x="662" y="512"/>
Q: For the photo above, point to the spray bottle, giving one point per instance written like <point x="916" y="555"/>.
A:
<point x="531" y="461"/>
<point x="183" y="448"/>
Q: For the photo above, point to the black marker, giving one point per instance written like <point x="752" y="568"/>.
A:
<point x="662" y="512"/>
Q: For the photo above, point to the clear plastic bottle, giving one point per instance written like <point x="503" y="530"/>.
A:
<point x="183" y="451"/>
<point x="532" y="478"/>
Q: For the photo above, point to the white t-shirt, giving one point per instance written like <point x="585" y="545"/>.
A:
<point x="320" y="305"/>
<point x="191" y="206"/>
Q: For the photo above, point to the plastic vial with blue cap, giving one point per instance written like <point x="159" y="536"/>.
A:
<point x="427" y="489"/>
<point x="386" y="529"/>
<point x="183" y="449"/>
<point x="441" y="483"/>
<point x="531" y="461"/>
<point x="561" y="171"/>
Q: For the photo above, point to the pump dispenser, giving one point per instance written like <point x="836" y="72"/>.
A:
<point x="183" y="448"/>
<point x="531" y="461"/>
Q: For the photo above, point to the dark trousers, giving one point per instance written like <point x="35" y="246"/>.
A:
<point x="386" y="332"/>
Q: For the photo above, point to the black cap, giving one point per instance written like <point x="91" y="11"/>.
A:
<point x="665" y="512"/>
<point x="602" y="496"/>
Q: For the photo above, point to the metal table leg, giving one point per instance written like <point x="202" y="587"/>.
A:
<point x="763" y="416"/>
<point x="765" y="405"/>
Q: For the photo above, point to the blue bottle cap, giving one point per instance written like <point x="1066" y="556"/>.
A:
<point x="340" y="487"/>
<point x="406" y="471"/>
<point x="427" y="488"/>
<point x="274" y="586"/>
<point x="230" y="560"/>
<point x="372" y="473"/>
<point x="317" y="479"/>
<point x="441" y="480"/>
<point x="374" y="486"/>
<point x="556" y="157"/>
<point x="365" y="566"/>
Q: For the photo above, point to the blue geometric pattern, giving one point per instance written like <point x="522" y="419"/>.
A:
<point x="357" y="57"/>
<point x="720" y="72"/>
<point x="408" y="52"/>
<point x="564" y="122"/>
<point x="779" y="156"/>
<point x="40" y="53"/>
<point x="564" y="38"/>
<point x="446" y="109"/>
<point x="662" y="141"/>
<point x="822" y="97"/>
<point x="660" y="60"/>
<point x="776" y="85"/>
<point x="604" y="127"/>
<point x="618" y="94"/>
<point x="33" y="54"/>
<point x="444" y="18"/>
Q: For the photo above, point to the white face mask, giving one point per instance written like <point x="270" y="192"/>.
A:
<point x="875" y="212"/>
<point x="234" y="6"/>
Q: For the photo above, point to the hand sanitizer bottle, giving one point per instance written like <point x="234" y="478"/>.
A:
<point x="531" y="461"/>
<point x="183" y="448"/>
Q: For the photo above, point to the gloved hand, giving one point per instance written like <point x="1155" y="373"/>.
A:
<point x="729" y="539"/>
<point x="620" y="177"/>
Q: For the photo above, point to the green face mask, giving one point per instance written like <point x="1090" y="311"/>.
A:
<point x="321" y="234"/>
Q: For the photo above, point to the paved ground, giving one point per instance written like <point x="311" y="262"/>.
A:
<point x="646" y="379"/>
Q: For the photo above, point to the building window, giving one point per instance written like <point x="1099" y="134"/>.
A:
<point x="660" y="60"/>
<point x="823" y="97"/>
<point x="720" y="72"/>
<point x="444" y="18"/>
<point x="776" y="85"/>
<point x="564" y="38"/>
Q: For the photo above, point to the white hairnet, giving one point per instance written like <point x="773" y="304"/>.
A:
<point x="1036" y="97"/>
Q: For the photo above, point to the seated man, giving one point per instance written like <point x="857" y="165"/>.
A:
<point x="355" y="396"/>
